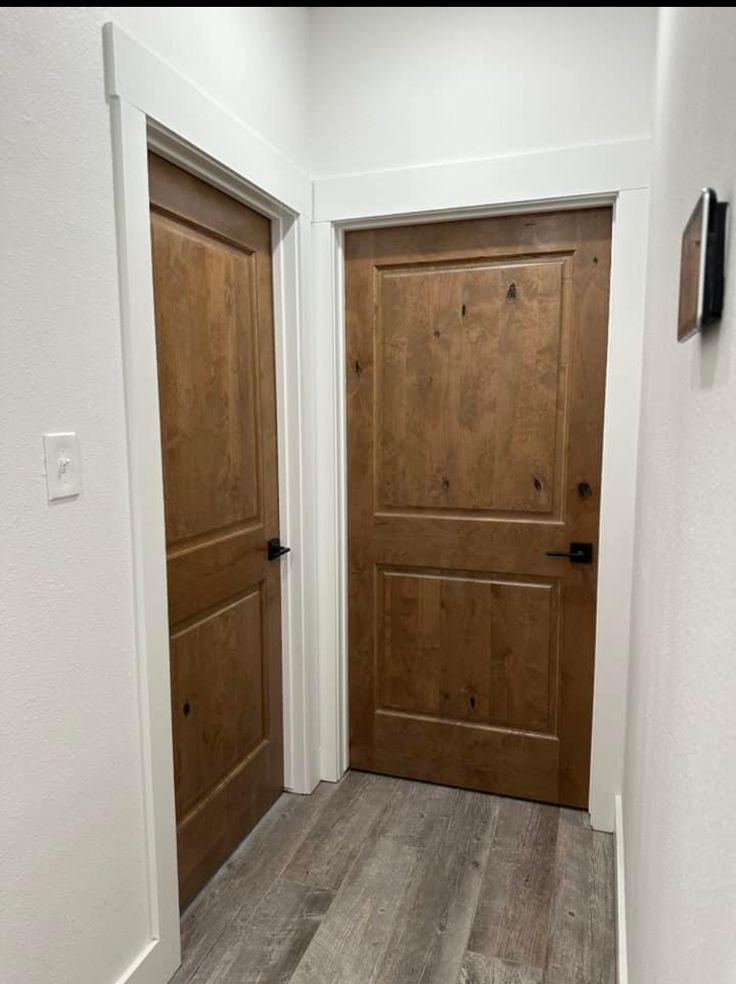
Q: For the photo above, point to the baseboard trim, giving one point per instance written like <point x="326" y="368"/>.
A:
<point x="620" y="888"/>
<point x="137" y="971"/>
<point x="155" y="964"/>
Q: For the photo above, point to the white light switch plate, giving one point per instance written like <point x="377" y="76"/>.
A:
<point x="63" y="467"/>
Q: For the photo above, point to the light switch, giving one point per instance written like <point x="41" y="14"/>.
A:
<point x="63" y="467"/>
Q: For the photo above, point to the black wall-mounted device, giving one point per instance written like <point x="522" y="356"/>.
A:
<point x="702" y="266"/>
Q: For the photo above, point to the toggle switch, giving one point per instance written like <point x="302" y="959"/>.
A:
<point x="63" y="466"/>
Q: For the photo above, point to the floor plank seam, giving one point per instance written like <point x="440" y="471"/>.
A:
<point x="308" y="830"/>
<point x="369" y="841"/>
<point x="194" y="971"/>
<point x="395" y="882"/>
<point x="249" y="842"/>
<point x="551" y="914"/>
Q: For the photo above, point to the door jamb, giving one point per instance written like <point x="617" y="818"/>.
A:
<point x="152" y="106"/>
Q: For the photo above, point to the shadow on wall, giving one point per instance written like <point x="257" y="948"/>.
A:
<point x="712" y="367"/>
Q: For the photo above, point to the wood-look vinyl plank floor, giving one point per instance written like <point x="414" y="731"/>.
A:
<point x="376" y="880"/>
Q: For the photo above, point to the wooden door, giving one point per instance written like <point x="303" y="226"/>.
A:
<point x="476" y="358"/>
<point x="214" y="334"/>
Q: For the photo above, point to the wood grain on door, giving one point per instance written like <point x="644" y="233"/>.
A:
<point x="214" y="335"/>
<point x="476" y="358"/>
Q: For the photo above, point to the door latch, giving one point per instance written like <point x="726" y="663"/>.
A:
<point x="579" y="553"/>
<point x="275" y="550"/>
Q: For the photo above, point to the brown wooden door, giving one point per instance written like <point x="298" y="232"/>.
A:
<point x="476" y="358"/>
<point x="214" y="333"/>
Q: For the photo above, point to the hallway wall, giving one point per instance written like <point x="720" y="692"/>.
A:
<point x="73" y="895"/>
<point x="680" y="791"/>
<point x="400" y="86"/>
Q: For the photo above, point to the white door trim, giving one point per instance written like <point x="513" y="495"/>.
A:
<point x="516" y="180"/>
<point x="616" y="174"/>
<point x="142" y="80"/>
<point x="151" y="105"/>
<point x="619" y="869"/>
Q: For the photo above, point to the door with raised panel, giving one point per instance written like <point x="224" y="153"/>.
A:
<point x="475" y="385"/>
<point x="214" y="335"/>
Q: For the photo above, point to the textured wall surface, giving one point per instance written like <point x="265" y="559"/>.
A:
<point x="391" y="86"/>
<point x="73" y="891"/>
<point x="397" y="86"/>
<point x="251" y="60"/>
<point x="680" y="793"/>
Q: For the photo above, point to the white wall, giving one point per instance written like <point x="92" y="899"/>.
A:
<point x="251" y="60"/>
<point x="680" y="791"/>
<point x="399" y="86"/>
<point x="73" y="889"/>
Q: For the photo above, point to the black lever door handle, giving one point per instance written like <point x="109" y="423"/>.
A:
<point x="579" y="553"/>
<point x="275" y="550"/>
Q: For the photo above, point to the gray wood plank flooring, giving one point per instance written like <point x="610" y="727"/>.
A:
<point x="377" y="880"/>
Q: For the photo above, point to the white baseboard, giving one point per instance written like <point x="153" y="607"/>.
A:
<point x="620" y="884"/>
<point x="155" y="964"/>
